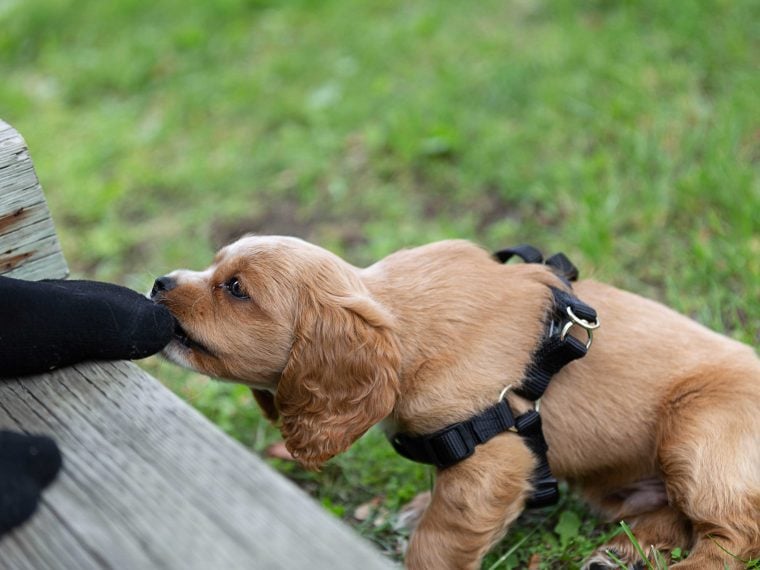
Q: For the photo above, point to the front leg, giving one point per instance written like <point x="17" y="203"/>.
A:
<point x="473" y="503"/>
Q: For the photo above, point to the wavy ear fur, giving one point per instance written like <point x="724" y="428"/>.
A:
<point x="341" y="378"/>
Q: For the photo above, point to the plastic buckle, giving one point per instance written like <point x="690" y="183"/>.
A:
<point x="467" y="438"/>
<point x="465" y="447"/>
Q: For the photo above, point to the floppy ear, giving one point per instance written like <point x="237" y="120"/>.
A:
<point x="341" y="378"/>
<point x="265" y="400"/>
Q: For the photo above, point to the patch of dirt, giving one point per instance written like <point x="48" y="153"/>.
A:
<point x="281" y="217"/>
<point x="487" y="207"/>
<point x="284" y="217"/>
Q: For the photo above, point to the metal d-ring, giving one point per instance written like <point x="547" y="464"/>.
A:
<point x="583" y="323"/>
<point x="503" y="394"/>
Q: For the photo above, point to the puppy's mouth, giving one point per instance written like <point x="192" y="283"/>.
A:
<point x="182" y="337"/>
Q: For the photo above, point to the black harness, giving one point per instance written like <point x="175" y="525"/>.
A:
<point x="456" y="442"/>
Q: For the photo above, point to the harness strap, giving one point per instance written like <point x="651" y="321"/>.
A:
<point x="563" y="266"/>
<point x="545" y="486"/>
<point x="527" y="253"/>
<point x="457" y="442"/>
<point x="555" y="351"/>
<point x="559" y="262"/>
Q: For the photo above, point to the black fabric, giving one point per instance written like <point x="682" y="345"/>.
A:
<point x="555" y="352"/>
<point x="28" y="464"/>
<point x="550" y="358"/>
<point x="563" y="299"/>
<point x="563" y="266"/>
<point x="48" y="324"/>
<point x="527" y="253"/>
<point x="545" y="486"/>
<point x="559" y="262"/>
<point x="457" y="442"/>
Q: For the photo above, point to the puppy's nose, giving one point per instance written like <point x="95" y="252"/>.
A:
<point x="162" y="285"/>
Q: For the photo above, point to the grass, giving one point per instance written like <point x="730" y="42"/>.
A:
<point x="655" y="560"/>
<point x="624" y="133"/>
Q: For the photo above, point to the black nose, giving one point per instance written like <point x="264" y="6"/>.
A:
<point x="162" y="285"/>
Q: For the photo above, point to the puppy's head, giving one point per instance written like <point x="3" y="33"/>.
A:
<point x="296" y="324"/>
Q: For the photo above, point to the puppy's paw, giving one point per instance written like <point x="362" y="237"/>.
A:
<point x="411" y="513"/>
<point x="605" y="559"/>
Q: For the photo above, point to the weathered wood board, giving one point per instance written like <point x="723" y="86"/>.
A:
<point x="28" y="244"/>
<point x="147" y="481"/>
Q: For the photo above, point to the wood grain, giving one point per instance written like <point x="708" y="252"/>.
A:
<point x="147" y="481"/>
<point x="29" y="247"/>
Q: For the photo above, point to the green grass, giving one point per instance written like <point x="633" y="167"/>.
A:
<point x="625" y="133"/>
<point x="656" y="560"/>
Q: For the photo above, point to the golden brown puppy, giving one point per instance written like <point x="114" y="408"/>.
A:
<point x="658" y="425"/>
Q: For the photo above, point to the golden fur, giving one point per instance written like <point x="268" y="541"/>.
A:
<point x="658" y="425"/>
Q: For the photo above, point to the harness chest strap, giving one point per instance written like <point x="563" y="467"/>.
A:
<point x="458" y="441"/>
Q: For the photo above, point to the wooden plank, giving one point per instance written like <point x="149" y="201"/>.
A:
<point x="32" y="246"/>
<point x="150" y="483"/>
<point x="19" y="174"/>
<point x="10" y="141"/>
<point x="20" y="213"/>
<point x="29" y="247"/>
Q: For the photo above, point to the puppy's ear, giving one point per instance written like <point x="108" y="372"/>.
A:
<point x="341" y="378"/>
<point x="265" y="400"/>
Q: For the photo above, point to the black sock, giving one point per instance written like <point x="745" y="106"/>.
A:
<point x="28" y="464"/>
<point x="48" y="324"/>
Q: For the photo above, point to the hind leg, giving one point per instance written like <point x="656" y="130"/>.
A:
<point x="710" y="458"/>
<point x="656" y="526"/>
<point x="727" y="543"/>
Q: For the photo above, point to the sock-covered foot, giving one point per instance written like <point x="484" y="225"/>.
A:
<point x="49" y="324"/>
<point x="28" y="464"/>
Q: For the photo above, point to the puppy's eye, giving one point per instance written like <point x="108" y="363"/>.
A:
<point x="235" y="289"/>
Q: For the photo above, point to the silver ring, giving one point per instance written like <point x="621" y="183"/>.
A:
<point x="570" y="324"/>
<point x="582" y="322"/>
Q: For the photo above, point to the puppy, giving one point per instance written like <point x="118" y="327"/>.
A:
<point x="658" y="424"/>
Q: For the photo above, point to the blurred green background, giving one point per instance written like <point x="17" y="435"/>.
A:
<point x="626" y="134"/>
